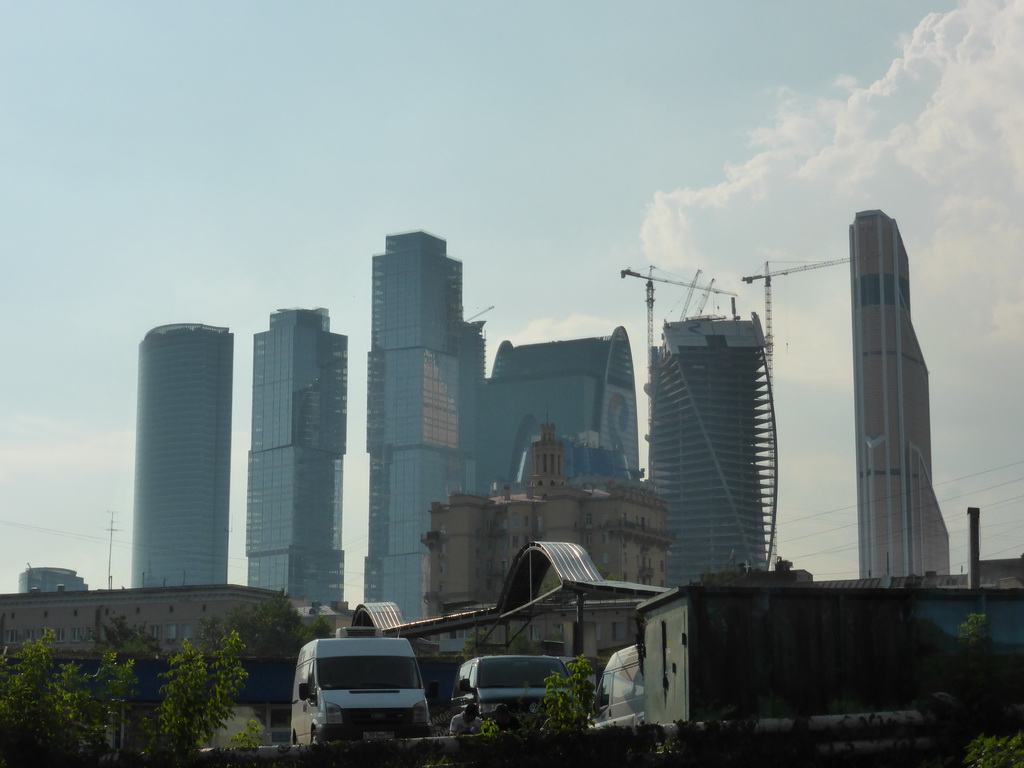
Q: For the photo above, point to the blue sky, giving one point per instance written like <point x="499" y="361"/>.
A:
<point x="213" y="162"/>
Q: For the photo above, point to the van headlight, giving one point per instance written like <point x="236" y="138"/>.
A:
<point x="333" y="712"/>
<point x="420" y="713"/>
<point x="486" y="709"/>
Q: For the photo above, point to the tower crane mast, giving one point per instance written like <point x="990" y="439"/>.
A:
<point x="767" y="275"/>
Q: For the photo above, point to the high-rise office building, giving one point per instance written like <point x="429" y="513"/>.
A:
<point x="712" y="446"/>
<point x="299" y="412"/>
<point x="585" y="386"/>
<point x="182" y="457"/>
<point x="900" y="527"/>
<point x="415" y="370"/>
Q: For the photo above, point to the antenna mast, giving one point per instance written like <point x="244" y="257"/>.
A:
<point x="110" y="552"/>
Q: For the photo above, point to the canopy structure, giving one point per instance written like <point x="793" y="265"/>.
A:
<point x="540" y="571"/>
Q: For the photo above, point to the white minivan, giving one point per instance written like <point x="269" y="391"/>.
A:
<point x="358" y="687"/>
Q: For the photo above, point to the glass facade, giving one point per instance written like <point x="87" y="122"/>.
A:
<point x="712" y="444"/>
<point x="182" y="457"/>
<point x="901" y="531"/>
<point x="583" y="386"/>
<point x="299" y="417"/>
<point x="416" y="445"/>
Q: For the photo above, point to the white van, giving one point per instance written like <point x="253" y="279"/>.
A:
<point x="515" y="681"/>
<point x="358" y="687"/>
<point x="620" y="693"/>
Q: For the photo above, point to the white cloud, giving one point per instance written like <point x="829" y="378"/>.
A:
<point x="936" y="141"/>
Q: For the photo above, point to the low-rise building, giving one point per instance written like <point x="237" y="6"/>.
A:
<point x="169" y="614"/>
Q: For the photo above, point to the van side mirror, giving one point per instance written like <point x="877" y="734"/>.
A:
<point x="303" y="691"/>
<point x="464" y="685"/>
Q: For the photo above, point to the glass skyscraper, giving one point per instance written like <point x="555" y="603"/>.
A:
<point x="712" y="445"/>
<point x="299" y="413"/>
<point x="900" y="527"/>
<point x="415" y="368"/>
<point x="182" y="457"/>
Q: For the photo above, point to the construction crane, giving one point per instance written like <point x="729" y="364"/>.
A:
<point x="650" y="278"/>
<point x="689" y="295"/>
<point x="481" y="312"/>
<point x="767" y="275"/>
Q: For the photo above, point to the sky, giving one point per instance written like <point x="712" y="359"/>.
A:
<point x="214" y="162"/>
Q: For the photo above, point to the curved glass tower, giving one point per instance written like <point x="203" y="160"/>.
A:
<point x="182" y="456"/>
<point x="584" y="386"/>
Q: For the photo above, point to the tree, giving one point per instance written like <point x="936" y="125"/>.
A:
<point x="120" y="637"/>
<point x="270" y="628"/>
<point x="198" y="700"/>
<point x="49" y="714"/>
<point x="569" y="702"/>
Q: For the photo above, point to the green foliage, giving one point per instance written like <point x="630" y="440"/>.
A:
<point x="198" y="700"/>
<point x="476" y="645"/>
<point x="119" y="637"/>
<point x="977" y="679"/>
<point x="49" y="713"/>
<point x="270" y="628"/>
<point x="994" y="752"/>
<point x="250" y="737"/>
<point x="569" y="702"/>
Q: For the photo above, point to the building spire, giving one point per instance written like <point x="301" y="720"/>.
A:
<point x="548" y="459"/>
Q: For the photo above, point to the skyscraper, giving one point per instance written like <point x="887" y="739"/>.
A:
<point x="585" y="386"/>
<point x="413" y="430"/>
<point x="182" y="456"/>
<point x="299" y="412"/>
<point x="712" y="441"/>
<point x="900" y="527"/>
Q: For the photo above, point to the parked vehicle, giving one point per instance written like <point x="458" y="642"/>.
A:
<point x="620" y="693"/>
<point x="357" y="687"/>
<point x="516" y="681"/>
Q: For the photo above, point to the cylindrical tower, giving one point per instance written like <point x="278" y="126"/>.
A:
<point x="182" y="456"/>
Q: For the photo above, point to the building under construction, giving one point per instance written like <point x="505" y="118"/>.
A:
<point x="712" y="446"/>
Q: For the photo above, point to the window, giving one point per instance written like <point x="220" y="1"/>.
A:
<point x="154" y="630"/>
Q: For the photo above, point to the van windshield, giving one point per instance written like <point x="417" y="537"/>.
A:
<point x="517" y="673"/>
<point x="354" y="672"/>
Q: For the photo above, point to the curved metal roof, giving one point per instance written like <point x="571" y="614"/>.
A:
<point x="383" y="615"/>
<point x="540" y="570"/>
<point x="573" y="570"/>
